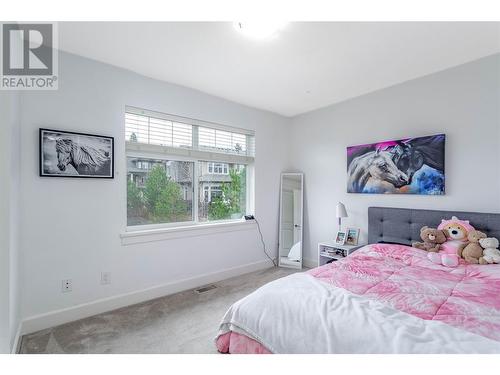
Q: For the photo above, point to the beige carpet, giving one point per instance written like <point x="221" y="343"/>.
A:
<point x="185" y="322"/>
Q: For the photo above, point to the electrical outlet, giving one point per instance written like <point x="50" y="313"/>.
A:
<point x="67" y="285"/>
<point x="105" y="278"/>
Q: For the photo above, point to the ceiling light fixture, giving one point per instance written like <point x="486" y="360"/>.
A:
<point x="259" y="30"/>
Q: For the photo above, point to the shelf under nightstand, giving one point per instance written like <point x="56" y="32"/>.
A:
<point x="339" y="251"/>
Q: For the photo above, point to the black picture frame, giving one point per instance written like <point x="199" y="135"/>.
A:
<point x="101" y="171"/>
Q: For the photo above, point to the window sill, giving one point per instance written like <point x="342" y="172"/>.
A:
<point x="195" y="230"/>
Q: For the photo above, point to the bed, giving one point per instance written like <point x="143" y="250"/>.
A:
<point x="387" y="297"/>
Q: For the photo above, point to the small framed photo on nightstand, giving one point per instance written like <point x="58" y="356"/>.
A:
<point x="352" y="235"/>
<point x="340" y="238"/>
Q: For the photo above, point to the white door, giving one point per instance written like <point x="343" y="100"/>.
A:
<point x="297" y="216"/>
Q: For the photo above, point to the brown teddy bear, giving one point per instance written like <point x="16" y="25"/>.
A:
<point x="473" y="252"/>
<point x="433" y="238"/>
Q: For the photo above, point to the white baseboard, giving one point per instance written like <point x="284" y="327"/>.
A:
<point x="15" y="344"/>
<point x="70" y="314"/>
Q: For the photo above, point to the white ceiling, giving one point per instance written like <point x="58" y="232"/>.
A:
<point x="306" y="66"/>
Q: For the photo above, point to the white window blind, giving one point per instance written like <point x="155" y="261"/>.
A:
<point x="155" y="131"/>
<point x="184" y="135"/>
<point x="222" y="141"/>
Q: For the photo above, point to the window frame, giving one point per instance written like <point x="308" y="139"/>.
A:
<point x="196" y="201"/>
<point x="195" y="154"/>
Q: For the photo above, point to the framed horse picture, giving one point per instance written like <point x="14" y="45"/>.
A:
<point x="404" y="166"/>
<point x="70" y="154"/>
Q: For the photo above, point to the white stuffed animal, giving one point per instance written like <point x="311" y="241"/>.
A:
<point x="491" y="254"/>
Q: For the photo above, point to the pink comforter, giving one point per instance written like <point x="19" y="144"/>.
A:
<point x="466" y="297"/>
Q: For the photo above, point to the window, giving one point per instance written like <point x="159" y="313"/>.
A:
<point x="162" y="194"/>
<point x="222" y="140"/>
<point x="218" y="168"/>
<point x="182" y="171"/>
<point x="156" y="131"/>
<point x="142" y="164"/>
<point x="223" y="197"/>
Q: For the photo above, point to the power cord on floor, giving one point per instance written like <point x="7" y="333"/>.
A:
<point x="264" y="244"/>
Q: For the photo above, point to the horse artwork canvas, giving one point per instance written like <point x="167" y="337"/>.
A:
<point x="70" y="154"/>
<point x="405" y="166"/>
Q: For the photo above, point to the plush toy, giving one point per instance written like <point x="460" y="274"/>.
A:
<point x="433" y="238"/>
<point x="473" y="251"/>
<point x="456" y="232"/>
<point x="491" y="254"/>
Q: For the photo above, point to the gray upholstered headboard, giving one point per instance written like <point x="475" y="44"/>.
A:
<point x="402" y="225"/>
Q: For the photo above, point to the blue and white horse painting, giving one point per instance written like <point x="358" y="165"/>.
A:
<point x="408" y="166"/>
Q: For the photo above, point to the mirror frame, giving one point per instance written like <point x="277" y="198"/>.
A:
<point x="301" y="175"/>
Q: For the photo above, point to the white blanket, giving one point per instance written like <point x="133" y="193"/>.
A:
<point x="299" y="314"/>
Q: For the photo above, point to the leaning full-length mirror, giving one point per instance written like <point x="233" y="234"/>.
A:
<point x="290" y="235"/>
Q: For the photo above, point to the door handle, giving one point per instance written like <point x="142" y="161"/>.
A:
<point x="297" y="226"/>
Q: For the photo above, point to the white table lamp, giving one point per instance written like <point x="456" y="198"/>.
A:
<point x="341" y="212"/>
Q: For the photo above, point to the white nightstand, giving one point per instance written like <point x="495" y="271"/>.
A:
<point x="329" y="250"/>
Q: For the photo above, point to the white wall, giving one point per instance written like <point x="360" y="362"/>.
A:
<point x="71" y="227"/>
<point x="15" y="276"/>
<point x="9" y="250"/>
<point x="462" y="102"/>
<point x="5" y="113"/>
